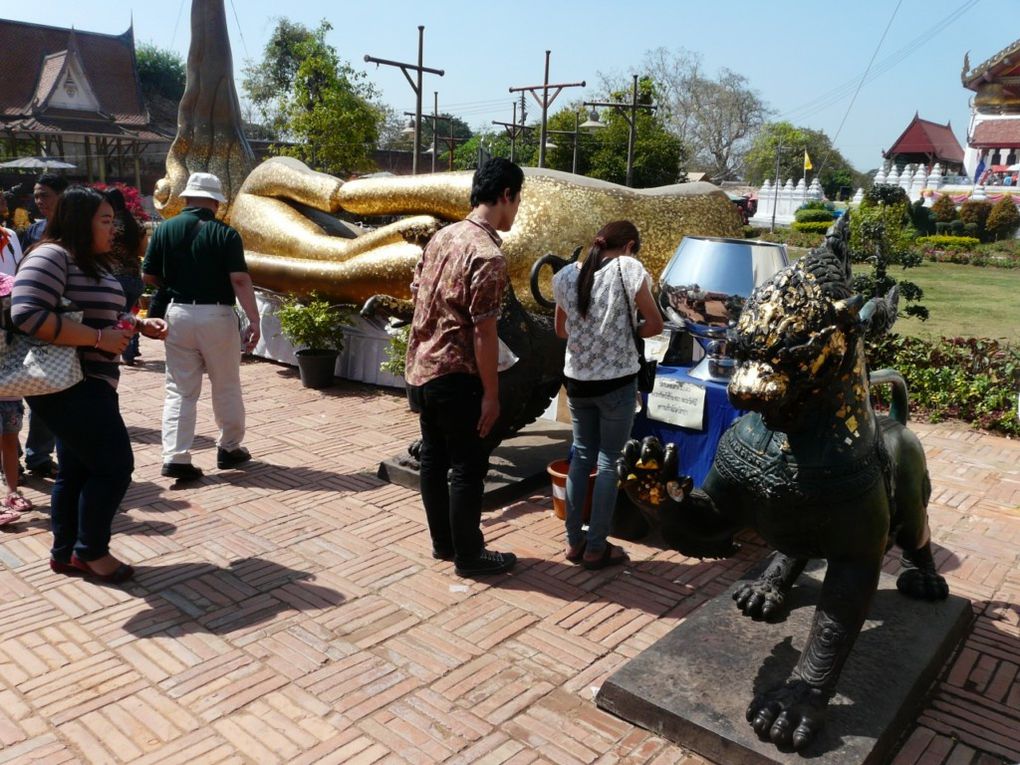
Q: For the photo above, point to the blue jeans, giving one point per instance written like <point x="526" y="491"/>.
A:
<point x="133" y="287"/>
<point x="601" y="428"/>
<point x="96" y="462"/>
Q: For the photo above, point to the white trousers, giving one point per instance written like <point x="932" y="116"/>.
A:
<point x="202" y="338"/>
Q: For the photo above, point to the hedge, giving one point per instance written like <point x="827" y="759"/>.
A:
<point x="813" y="216"/>
<point x="813" y="227"/>
<point x="946" y="242"/>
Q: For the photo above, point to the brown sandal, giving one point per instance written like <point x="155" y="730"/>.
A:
<point x="576" y="555"/>
<point x="606" y="559"/>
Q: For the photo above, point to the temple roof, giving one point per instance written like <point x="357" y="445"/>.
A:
<point x="996" y="134"/>
<point x="1002" y="64"/>
<point x="51" y="69"/>
<point x="928" y="138"/>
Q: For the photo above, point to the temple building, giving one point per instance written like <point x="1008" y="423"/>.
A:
<point x="75" y="96"/>
<point x="993" y="136"/>
<point x="925" y="143"/>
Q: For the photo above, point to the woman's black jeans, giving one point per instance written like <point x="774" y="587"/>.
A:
<point x="96" y="462"/>
<point x="449" y="408"/>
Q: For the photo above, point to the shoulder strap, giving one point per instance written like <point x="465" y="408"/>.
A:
<point x="630" y="312"/>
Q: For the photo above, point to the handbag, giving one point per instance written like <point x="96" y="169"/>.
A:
<point x="646" y="368"/>
<point x="31" y="367"/>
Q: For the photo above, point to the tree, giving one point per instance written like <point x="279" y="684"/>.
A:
<point x="660" y="158"/>
<point x="161" y="72"/>
<point x="879" y="236"/>
<point x="944" y="209"/>
<point x="716" y="117"/>
<point x="1004" y="218"/>
<point x="760" y="161"/>
<point x="309" y="96"/>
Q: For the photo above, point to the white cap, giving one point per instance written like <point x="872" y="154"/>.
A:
<point x="204" y="185"/>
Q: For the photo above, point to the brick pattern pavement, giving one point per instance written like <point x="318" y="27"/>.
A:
<point x="292" y="612"/>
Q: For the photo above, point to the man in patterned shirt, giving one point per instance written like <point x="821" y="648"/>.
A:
<point x="451" y="366"/>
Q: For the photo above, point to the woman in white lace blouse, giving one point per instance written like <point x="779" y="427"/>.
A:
<point x="597" y="304"/>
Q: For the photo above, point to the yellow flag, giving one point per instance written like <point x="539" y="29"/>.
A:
<point x="807" y="161"/>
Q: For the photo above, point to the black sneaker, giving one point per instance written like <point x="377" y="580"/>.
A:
<point x="182" y="471"/>
<point x="228" y="458"/>
<point x="487" y="562"/>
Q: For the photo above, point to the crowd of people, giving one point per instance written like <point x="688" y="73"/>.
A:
<point x="85" y="254"/>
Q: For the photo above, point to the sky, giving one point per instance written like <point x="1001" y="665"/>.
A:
<point x="805" y="59"/>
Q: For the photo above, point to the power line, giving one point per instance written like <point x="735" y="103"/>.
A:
<point x="835" y="95"/>
<point x="239" y="31"/>
<point x="173" y="38"/>
<point x="861" y="85"/>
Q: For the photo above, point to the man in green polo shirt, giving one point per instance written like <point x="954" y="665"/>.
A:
<point x="200" y="262"/>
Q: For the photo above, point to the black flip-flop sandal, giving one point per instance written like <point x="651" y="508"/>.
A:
<point x="579" y="555"/>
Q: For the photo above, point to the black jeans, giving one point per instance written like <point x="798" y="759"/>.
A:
<point x="96" y="462"/>
<point x="454" y="461"/>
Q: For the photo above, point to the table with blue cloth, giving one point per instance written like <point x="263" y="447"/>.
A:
<point x="696" y="447"/>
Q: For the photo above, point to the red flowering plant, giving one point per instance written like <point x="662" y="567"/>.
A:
<point x="132" y="198"/>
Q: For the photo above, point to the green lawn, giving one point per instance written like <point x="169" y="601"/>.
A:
<point x="964" y="301"/>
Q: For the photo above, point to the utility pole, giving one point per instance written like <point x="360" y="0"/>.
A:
<point x="450" y="140"/>
<point x="415" y="83"/>
<point x="629" y="113"/>
<point x="545" y="101"/>
<point x="775" y="196"/>
<point x="513" y="129"/>
<point x="576" y="132"/>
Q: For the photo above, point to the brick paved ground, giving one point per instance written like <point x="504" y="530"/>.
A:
<point x="292" y="612"/>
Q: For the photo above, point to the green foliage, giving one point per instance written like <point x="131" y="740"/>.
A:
<point x="888" y="195"/>
<point x="944" y="209"/>
<point x="498" y="145"/>
<point x="161" y="72"/>
<point x="956" y="227"/>
<point x="974" y="214"/>
<point x="1003" y="219"/>
<point x="792" y="237"/>
<point x="948" y="242"/>
<point x="879" y="236"/>
<point x="396" y="351"/>
<point x="760" y="161"/>
<point x="922" y="219"/>
<point x="660" y="158"/>
<point x="971" y="379"/>
<point x="753" y="232"/>
<point x="314" y="324"/>
<point x="305" y="93"/>
<point x="813" y="226"/>
<point x="813" y="215"/>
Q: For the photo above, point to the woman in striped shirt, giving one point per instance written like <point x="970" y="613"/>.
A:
<point x="93" y="447"/>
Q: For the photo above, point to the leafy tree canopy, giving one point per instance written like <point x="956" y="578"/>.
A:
<point x="760" y="162"/>
<point x="161" y="72"/>
<point x="306" y="94"/>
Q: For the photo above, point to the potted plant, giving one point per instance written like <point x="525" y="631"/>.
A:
<point x="316" y="328"/>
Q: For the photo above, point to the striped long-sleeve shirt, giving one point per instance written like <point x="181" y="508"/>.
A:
<point x="49" y="273"/>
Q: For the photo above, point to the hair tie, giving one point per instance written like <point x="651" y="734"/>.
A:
<point x="600" y="241"/>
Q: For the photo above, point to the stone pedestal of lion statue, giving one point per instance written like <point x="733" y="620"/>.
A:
<point x="829" y="664"/>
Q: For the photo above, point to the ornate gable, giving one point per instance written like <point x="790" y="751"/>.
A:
<point x="63" y="83"/>
<point x="996" y="81"/>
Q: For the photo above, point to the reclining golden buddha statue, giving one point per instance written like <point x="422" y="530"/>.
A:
<point x="287" y="213"/>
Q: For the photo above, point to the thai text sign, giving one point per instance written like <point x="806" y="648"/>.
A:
<point x="678" y="403"/>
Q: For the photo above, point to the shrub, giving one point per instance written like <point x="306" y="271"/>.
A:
<point x="753" y="232"/>
<point x="942" y="228"/>
<point x="793" y="238"/>
<point x="315" y="324"/>
<point x="944" y="209"/>
<point x="1003" y="219"/>
<point x="970" y="379"/>
<point x="396" y="351"/>
<point x="132" y="198"/>
<point x="956" y="227"/>
<point x="813" y="227"/>
<point x="974" y="213"/>
<point x="816" y="204"/>
<point x="813" y="215"/>
<point x="949" y="242"/>
<point x="921" y="219"/>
